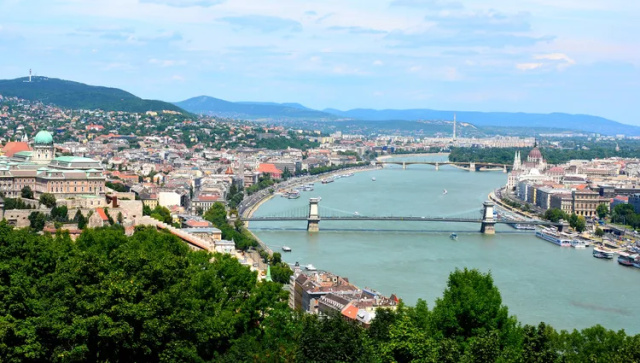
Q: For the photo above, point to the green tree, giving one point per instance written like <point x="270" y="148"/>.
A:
<point x="555" y="214"/>
<point x="581" y="224"/>
<point x="60" y="213"/>
<point x="48" y="199"/>
<point x="26" y="192"/>
<point x="120" y="218"/>
<point x="602" y="210"/>
<point x="37" y="220"/>
<point x="471" y="306"/>
<point x="599" y="232"/>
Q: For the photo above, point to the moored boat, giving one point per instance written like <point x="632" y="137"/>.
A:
<point x="293" y="194"/>
<point x="553" y="236"/>
<point x="626" y="259"/>
<point x="576" y="243"/>
<point x="310" y="267"/>
<point x="601" y="253"/>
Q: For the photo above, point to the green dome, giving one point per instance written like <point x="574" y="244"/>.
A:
<point x="43" y="138"/>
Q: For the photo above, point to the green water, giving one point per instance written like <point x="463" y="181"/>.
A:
<point x="539" y="281"/>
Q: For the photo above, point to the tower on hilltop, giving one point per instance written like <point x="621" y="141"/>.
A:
<point x="454" y="126"/>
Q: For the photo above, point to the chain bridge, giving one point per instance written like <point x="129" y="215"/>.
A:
<point x="471" y="166"/>
<point x="313" y="214"/>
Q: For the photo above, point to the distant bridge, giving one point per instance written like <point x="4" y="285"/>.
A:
<point x="314" y="214"/>
<point x="471" y="166"/>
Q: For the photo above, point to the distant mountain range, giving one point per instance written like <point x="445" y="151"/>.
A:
<point x="251" y="110"/>
<point x="287" y="111"/>
<point x="76" y="95"/>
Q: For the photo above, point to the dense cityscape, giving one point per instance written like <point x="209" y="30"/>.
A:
<point x="88" y="175"/>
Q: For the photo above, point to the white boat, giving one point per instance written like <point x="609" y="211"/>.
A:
<point x="294" y="195"/>
<point x="444" y="192"/>
<point x="310" y="267"/>
<point x="453" y="236"/>
<point x="576" y="243"/>
<point x="286" y="249"/>
<point x="356" y="213"/>
<point x="553" y="236"/>
<point x="373" y="178"/>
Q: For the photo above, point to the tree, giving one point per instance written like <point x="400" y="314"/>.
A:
<point x="599" y="232"/>
<point x="602" y="210"/>
<point x="48" y="199"/>
<point x="146" y="210"/>
<point x="37" y="220"/>
<point x="581" y="224"/>
<point x="555" y="214"/>
<point x="26" y="192"/>
<point x="470" y="306"/>
<point x="60" y="213"/>
<point x="120" y="218"/>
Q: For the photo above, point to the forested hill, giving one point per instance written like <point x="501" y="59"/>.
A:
<point x="585" y="123"/>
<point x="251" y="110"/>
<point x="75" y="95"/>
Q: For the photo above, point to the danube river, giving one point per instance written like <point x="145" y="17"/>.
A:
<point x="539" y="281"/>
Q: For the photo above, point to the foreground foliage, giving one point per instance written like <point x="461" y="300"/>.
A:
<point x="148" y="298"/>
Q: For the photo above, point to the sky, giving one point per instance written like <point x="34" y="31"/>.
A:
<point x="574" y="56"/>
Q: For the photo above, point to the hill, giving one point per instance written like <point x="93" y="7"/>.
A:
<point x="251" y="110"/>
<point x="585" y="123"/>
<point x="77" y="95"/>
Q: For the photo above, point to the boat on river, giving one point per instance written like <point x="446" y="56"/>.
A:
<point x="602" y="253"/>
<point x="553" y="236"/>
<point x="327" y="181"/>
<point x="310" y="267"/>
<point x="373" y="178"/>
<point x="286" y="248"/>
<point x="627" y="259"/>
<point x="293" y="194"/>
<point x="576" y="243"/>
<point x="453" y="236"/>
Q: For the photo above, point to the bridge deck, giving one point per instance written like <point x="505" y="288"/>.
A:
<point x="397" y="218"/>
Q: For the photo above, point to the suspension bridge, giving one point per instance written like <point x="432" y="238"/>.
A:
<point x="313" y="214"/>
<point x="471" y="166"/>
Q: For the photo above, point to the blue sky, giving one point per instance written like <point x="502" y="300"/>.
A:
<point x="576" y="56"/>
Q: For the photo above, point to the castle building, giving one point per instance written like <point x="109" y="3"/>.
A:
<point x="65" y="177"/>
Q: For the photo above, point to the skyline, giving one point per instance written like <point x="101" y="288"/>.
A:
<point x="532" y="56"/>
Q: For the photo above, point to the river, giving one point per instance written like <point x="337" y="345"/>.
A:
<point x="539" y="281"/>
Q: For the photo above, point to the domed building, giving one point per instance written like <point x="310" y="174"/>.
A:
<point x="66" y="177"/>
<point x="532" y="169"/>
<point x="43" y="151"/>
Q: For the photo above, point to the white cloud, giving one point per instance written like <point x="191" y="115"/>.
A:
<point x="528" y="66"/>
<point x="378" y="63"/>
<point x="559" y="61"/>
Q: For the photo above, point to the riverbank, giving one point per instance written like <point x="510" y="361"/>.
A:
<point x="249" y="206"/>
<point x="254" y="201"/>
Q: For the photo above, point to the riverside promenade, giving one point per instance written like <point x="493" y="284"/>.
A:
<point x="249" y="205"/>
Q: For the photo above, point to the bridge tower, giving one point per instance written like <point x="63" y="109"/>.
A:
<point x="404" y="166"/>
<point x="488" y="225"/>
<point x="437" y="166"/>
<point x="472" y="166"/>
<point x="313" y="221"/>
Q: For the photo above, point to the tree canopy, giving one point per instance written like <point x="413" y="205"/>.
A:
<point x="149" y="298"/>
